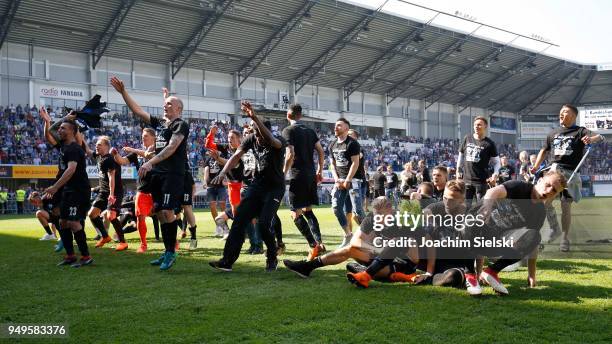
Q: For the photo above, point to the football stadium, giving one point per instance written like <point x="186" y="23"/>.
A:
<point x="206" y="171"/>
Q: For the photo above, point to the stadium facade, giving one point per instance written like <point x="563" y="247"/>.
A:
<point x="381" y="71"/>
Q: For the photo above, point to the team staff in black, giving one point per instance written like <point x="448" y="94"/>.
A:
<point x="75" y="195"/>
<point x="302" y="142"/>
<point x="566" y="146"/>
<point x="167" y="167"/>
<point x="475" y="154"/>
<point x="262" y="197"/>
<point x="110" y="193"/>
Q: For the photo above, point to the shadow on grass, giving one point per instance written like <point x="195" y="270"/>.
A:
<point x="194" y="262"/>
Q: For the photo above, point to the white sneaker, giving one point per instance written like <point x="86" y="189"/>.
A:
<point x="48" y="237"/>
<point x="471" y="283"/>
<point x="346" y="241"/>
<point x="193" y="244"/>
<point x="225" y="234"/>
<point x="491" y="278"/>
<point x="218" y="231"/>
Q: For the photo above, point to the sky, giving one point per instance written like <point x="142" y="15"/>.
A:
<point x="581" y="29"/>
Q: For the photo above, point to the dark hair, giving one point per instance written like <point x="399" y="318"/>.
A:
<point x="355" y="131"/>
<point x="482" y="119"/>
<point x="456" y="185"/>
<point x="571" y="107"/>
<point x="236" y="132"/>
<point x="268" y="125"/>
<point x="296" y="109"/>
<point x="75" y="127"/>
<point x="442" y="169"/>
<point x="342" y="119"/>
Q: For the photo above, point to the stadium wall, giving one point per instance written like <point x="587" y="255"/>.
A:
<point x="59" y="78"/>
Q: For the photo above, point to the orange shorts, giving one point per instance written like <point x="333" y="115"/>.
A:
<point x="234" y="192"/>
<point x="143" y="203"/>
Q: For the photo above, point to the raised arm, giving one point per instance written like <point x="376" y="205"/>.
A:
<point x="263" y="130"/>
<point x="47" y="126"/>
<point x="129" y="101"/>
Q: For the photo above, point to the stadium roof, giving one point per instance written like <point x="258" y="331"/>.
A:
<point x="323" y="42"/>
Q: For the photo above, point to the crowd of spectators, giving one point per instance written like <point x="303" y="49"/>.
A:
<point x="22" y="142"/>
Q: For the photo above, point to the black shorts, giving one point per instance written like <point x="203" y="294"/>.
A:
<point x="167" y="190"/>
<point x="187" y="198"/>
<point x="54" y="202"/>
<point x="101" y="202"/>
<point x="303" y="193"/>
<point x="74" y="205"/>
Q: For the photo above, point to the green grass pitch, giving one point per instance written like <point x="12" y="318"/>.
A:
<point x="122" y="299"/>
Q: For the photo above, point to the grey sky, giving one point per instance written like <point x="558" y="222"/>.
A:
<point x="581" y="28"/>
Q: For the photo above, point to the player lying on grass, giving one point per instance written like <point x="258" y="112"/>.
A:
<point x="361" y="248"/>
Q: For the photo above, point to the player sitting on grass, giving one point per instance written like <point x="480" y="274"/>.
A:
<point x="361" y="247"/>
<point x="441" y="266"/>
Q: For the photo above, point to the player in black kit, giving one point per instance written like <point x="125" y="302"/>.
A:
<point x="262" y="197"/>
<point x="143" y="200"/>
<point x="344" y="164"/>
<point x="514" y="209"/>
<point x="302" y="142"/>
<point x="475" y="153"/>
<point x="110" y="193"/>
<point x="167" y="167"/>
<point x="75" y="195"/>
<point x="566" y="146"/>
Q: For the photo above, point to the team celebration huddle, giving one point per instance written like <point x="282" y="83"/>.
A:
<point x="496" y="214"/>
